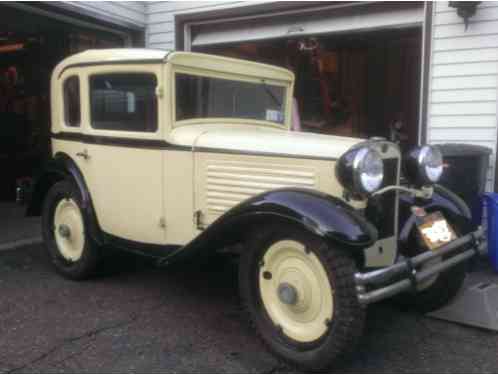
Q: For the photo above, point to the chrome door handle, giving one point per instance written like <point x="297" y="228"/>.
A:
<point x="83" y="155"/>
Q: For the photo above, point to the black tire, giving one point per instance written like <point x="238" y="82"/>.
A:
<point x="444" y="288"/>
<point x="86" y="265"/>
<point x="346" y="326"/>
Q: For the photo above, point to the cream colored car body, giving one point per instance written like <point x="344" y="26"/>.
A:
<point x="151" y="195"/>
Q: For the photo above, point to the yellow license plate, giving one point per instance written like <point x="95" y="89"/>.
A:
<point x="436" y="231"/>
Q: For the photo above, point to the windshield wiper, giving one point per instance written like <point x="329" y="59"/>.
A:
<point x="272" y="95"/>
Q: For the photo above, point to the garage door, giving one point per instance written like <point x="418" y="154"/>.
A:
<point x="329" y="19"/>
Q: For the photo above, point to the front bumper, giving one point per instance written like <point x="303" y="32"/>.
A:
<point x="407" y="274"/>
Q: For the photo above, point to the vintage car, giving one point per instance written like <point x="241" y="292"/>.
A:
<point x="177" y="154"/>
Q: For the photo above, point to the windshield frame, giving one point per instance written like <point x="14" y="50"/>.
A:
<point x="286" y="102"/>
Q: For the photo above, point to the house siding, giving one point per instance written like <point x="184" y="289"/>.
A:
<point x="127" y="13"/>
<point x="160" y="31"/>
<point x="464" y="79"/>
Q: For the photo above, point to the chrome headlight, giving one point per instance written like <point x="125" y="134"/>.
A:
<point x="424" y="165"/>
<point x="360" y="170"/>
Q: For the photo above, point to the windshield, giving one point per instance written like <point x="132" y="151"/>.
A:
<point x="206" y="97"/>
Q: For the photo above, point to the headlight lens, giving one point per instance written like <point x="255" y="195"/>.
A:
<point x="360" y="170"/>
<point x="424" y="165"/>
<point x="431" y="160"/>
<point x="370" y="170"/>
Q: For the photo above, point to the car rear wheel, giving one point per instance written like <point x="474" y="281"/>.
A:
<point x="71" y="251"/>
<point x="301" y="298"/>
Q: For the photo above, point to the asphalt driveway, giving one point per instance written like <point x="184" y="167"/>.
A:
<point x="139" y="318"/>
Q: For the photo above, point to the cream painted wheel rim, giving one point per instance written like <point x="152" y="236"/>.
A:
<point x="69" y="230"/>
<point x="296" y="291"/>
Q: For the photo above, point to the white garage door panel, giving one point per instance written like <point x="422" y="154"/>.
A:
<point x="364" y="17"/>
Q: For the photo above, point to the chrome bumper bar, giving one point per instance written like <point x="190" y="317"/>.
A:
<point x="375" y="285"/>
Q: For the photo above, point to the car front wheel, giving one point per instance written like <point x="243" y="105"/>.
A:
<point x="71" y="251"/>
<point x="300" y="296"/>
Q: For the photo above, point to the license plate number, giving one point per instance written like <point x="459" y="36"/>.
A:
<point x="435" y="230"/>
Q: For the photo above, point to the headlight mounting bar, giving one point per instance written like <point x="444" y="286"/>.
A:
<point x="424" y="192"/>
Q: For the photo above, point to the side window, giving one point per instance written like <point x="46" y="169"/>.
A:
<point x="124" y="101"/>
<point x="72" y="111"/>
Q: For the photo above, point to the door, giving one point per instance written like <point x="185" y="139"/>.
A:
<point x="122" y="154"/>
<point x="307" y="21"/>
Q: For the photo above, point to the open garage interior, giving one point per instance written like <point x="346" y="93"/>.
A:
<point x="359" y="84"/>
<point x="30" y="46"/>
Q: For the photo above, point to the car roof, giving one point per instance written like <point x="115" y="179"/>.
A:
<point x="111" y="55"/>
<point x="187" y="59"/>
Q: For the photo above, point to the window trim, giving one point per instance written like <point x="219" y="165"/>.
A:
<point x="64" y="108"/>
<point x="234" y="77"/>
<point x="122" y="131"/>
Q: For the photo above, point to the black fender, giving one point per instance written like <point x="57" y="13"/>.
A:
<point x="454" y="209"/>
<point x="326" y="216"/>
<point x="59" y="168"/>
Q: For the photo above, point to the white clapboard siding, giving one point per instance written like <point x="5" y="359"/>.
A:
<point x="462" y="122"/>
<point x="466" y="69"/>
<point x="467" y="42"/>
<point x="464" y="56"/>
<point x="456" y="30"/>
<point x="130" y="12"/>
<point x="464" y="95"/>
<point x="466" y="82"/>
<point x="160" y="30"/>
<point x="478" y="134"/>
<point x="176" y="6"/>
<point x="450" y="17"/>
<point x="463" y="108"/>
<point x="463" y="91"/>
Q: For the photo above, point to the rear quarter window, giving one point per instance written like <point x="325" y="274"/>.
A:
<point x="125" y="102"/>
<point x="72" y="109"/>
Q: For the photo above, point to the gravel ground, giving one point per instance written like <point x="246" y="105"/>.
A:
<point x="138" y="318"/>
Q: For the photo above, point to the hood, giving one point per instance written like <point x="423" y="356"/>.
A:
<point x="259" y="139"/>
